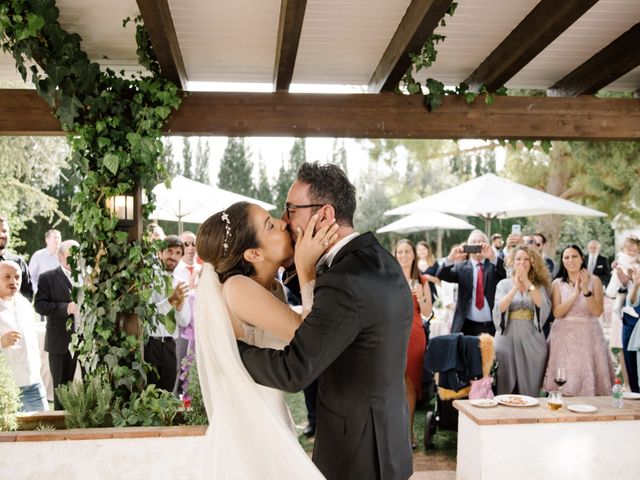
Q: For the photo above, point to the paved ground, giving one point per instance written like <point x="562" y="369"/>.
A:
<point x="441" y="475"/>
<point x="433" y="466"/>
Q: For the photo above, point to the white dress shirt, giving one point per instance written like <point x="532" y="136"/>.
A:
<point x="24" y="357"/>
<point x="41" y="261"/>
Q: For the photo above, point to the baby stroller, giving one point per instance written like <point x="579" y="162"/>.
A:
<point x="456" y="360"/>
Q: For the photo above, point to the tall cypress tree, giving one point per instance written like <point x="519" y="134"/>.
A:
<point x="170" y="163"/>
<point x="236" y="169"/>
<point x="202" y="161"/>
<point x="263" y="188"/>
<point x="187" y="164"/>
<point x="288" y="170"/>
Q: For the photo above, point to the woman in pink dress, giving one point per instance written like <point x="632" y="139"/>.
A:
<point x="576" y="341"/>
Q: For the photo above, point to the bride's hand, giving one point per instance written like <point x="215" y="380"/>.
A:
<point x="310" y="246"/>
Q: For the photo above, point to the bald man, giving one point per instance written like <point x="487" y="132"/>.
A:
<point x="18" y="339"/>
<point x="597" y="264"/>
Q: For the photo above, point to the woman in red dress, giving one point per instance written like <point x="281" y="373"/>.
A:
<point x="405" y="253"/>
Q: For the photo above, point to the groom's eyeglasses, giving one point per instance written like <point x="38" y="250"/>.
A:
<point x="290" y="208"/>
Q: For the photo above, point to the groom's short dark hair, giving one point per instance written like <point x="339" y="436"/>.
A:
<point x="328" y="184"/>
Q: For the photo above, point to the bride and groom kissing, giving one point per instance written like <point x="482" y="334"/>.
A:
<point x="352" y="335"/>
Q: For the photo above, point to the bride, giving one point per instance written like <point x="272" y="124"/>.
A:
<point x="251" y="434"/>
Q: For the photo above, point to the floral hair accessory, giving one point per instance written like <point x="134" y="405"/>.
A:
<point x="227" y="233"/>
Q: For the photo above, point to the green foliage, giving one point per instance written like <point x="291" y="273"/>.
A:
<point x="30" y="166"/>
<point x="172" y="166"/>
<point x="263" y="189"/>
<point x="434" y="90"/>
<point x="202" y="161"/>
<point x="187" y="160"/>
<point x="235" y="168"/>
<point x="10" y="402"/>
<point x="87" y="403"/>
<point x="114" y="126"/>
<point x="288" y="171"/>
<point x="339" y="155"/>
<point x="150" y="407"/>
<point x="580" y="230"/>
<point x="197" y="414"/>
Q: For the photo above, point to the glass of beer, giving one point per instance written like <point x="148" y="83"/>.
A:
<point x="555" y="400"/>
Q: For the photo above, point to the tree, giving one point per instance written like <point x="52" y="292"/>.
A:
<point x="263" y="188"/>
<point x="372" y="202"/>
<point x="288" y="171"/>
<point x="339" y="155"/>
<point x="168" y="160"/>
<point x="187" y="163"/>
<point x="236" y="169"/>
<point x="202" y="161"/>
<point x="30" y="166"/>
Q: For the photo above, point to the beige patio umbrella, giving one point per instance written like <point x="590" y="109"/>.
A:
<point x="190" y="201"/>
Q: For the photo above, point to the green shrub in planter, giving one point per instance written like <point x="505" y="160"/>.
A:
<point x="152" y="407"/>
<point x="10" y="402"/>
<point x="196" y="414"/>
<point x="87" y="403"/>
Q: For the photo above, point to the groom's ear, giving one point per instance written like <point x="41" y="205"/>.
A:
<point x="253" y="255"/>
<point x="327" y="214"/>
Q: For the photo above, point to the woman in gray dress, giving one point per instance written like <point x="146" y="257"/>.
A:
<point x="521" y="308"/>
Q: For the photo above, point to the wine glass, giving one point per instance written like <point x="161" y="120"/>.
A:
<point x="560" y="377"/>
<point x="413" y="284"/>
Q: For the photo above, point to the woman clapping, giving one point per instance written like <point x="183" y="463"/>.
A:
<point x="521" y="308"/>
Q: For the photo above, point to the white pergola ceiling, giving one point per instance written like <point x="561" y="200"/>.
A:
<point x="341" y="41"/>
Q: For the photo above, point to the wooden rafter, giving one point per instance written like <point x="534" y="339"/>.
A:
<point x="384" y="115"/>
<point x="419" y="21"/>
<point x="616" y="59"/>
<point x="162" y="33"/>
<point x="289" y="30"/>
<point x="534" y="33"/>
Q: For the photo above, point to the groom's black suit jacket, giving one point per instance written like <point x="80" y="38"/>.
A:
<point x="355" y="340"/>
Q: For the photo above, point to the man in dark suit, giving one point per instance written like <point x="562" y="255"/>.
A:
<point x="597" y="264"/>
<point x="354" y="340"/>
<point x="53" y="299"/>
<point x="477" y="278"/>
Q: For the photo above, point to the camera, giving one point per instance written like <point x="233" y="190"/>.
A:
<point x="471" y="248"/>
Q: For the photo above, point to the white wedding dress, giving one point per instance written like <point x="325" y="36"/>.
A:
<point x="250" y="434"/>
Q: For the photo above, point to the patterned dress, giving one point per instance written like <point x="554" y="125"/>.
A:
<point x="576" y="342"/>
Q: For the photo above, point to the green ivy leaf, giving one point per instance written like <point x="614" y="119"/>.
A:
<point x="111" y="162"/>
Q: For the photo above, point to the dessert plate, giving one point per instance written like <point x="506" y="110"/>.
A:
<point x="484" y="402"/>
<point x="582" y="408"/>
<point x="516" y="400"/>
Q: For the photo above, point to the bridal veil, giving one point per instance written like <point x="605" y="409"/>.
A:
<point x="245" y="439"/>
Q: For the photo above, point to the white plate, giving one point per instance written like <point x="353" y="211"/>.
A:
<point x="484" y="402"/>
<point x="631" y="395"/>
<point x="516" y="400"/>
<point x="582" y="408"/>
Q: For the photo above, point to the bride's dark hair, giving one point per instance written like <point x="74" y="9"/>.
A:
<point x="237" y="232"/>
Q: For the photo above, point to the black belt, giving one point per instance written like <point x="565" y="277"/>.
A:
<point x="483" y="324"/>
<point x="164" y="339"/>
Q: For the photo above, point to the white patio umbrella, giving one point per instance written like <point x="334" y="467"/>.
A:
<point x="490" y="196"/>
<point x="418" y="222"/>
<point x="190" y="201"/>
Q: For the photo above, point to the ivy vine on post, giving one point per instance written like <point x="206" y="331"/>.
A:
<point x="114" y="125"/>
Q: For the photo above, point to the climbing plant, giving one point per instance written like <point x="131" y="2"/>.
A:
<point x="113" y="124"/>
<point x="435" y="89"/>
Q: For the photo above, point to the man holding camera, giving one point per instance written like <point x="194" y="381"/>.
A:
<point x="477" y="271"/>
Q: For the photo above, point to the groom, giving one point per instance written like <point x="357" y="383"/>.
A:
<point x="355" y="340"/>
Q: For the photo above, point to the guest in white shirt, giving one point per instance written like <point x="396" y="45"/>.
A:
<point x="160" y="349"/>
<point x="18" y="339"/>
<point x="46" y="258"/>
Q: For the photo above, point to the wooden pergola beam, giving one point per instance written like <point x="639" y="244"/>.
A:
<point x="616" y="59"/>
<point x="419" y="21"/>
<point x="384" y="115"/>
<point x="162" y="33"/>
<point x="289" y="30"/>
<point x="534" y="33"/>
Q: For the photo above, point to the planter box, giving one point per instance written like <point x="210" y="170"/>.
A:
<point x="134" y="453"/>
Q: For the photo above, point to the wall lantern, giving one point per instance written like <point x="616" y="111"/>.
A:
<point x="122" y="207"/>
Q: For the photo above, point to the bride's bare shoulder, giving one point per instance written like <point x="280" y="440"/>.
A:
<point x="239" y="284"/>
